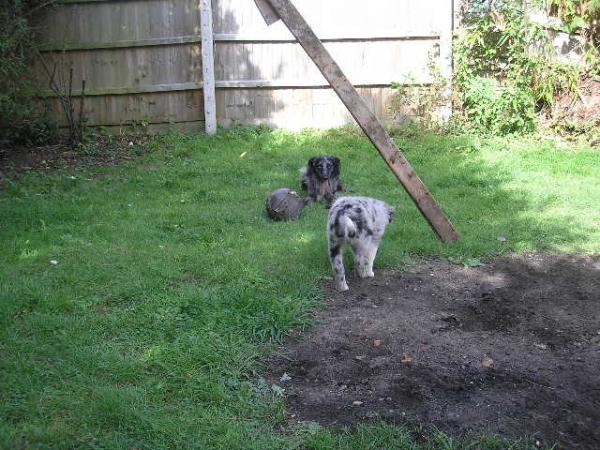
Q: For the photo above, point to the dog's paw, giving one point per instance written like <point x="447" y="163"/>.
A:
<point x="363" y="272"/>
<point x="342" y="287"/>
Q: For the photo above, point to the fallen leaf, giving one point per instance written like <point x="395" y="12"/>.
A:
<point x="487" y="362"/>
<point x="407" y="359"/>
<point x="53" y="262"/>
<point x="357" y="403"/>
<point x="377" y="342"/>
<point x="285" y="377"/>
<point x="243" y="154"/>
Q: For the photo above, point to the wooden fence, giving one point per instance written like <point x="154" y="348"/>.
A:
<point x="141" y="59"/>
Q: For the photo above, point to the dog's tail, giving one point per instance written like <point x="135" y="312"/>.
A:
<point x="348" y="226"/>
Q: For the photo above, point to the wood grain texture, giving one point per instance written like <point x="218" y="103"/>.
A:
<point x="294" y="108"/>
<point x="387" y="41"/>
<point x="133" y="20"/>
<point x="155" y="107"/>
<point x="146" y="47"/>
<point x="335" y="18"/>
<point x="365" y="62"/>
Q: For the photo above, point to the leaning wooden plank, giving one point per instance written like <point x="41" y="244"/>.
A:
<point x="208" y="67"/>
<point x="267" y="11"/>
<point x="363" y="116"/>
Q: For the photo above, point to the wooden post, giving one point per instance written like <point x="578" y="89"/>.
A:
<point x="446" y="33"/>
<point x="208" y="67"/>
<point x="363" y="115"/>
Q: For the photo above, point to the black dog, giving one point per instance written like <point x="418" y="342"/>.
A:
<point x="321" y="177"/>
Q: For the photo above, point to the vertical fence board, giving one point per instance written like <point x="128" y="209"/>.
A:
<point x="446" y="34"/>
<point x="208" y="67"/>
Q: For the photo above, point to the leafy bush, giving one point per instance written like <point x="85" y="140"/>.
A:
<point x="579" y="16"/>
<point x="498" y="110"/>
<point x="21" y="118"/>
<point x="424" y="102"/>
<point x="505" y="45"/>
<point x="583" y="17"/>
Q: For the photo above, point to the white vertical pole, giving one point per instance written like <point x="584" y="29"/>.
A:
<point x="208" y="67"/>
<point x="446" y="34"/>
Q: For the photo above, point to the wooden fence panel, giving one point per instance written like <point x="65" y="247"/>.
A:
<point x="141" y="59"/>
<point x="335" y="19"/>
<point x="286" y="64"/>
<point x="293" y="108"/>
<point x="130" y="70"/>
<point x="153" y="107"/>
<point x="118" y="23"/>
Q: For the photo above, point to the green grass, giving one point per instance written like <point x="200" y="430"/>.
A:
<point x="172" y="285"/>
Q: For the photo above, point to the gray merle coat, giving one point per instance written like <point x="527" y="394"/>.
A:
<point x="321" y="178"/>
<point x="359" y="222"/>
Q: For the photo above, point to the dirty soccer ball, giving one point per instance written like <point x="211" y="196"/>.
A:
<point x="285" y="204"/>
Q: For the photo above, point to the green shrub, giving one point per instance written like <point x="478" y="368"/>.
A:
<point x="22" y="119"/>
<point x="503" y="44"/>
<point x="498" y="110"/>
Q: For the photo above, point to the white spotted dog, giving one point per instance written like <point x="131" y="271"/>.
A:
<point x="359" y="222"/>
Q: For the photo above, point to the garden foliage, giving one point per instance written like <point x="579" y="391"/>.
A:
<point x="506" y="71"/>
<point x="22" y="118"/>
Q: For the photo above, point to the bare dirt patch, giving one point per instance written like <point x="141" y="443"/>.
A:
<point x="511" y="348"/>
<point x="101" y="151"/>
<point x="585" y="107"/>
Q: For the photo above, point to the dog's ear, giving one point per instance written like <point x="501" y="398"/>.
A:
<point x="391" y="214"/>
<point x="312" y="161"/>
<point x="337" y="165"/>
